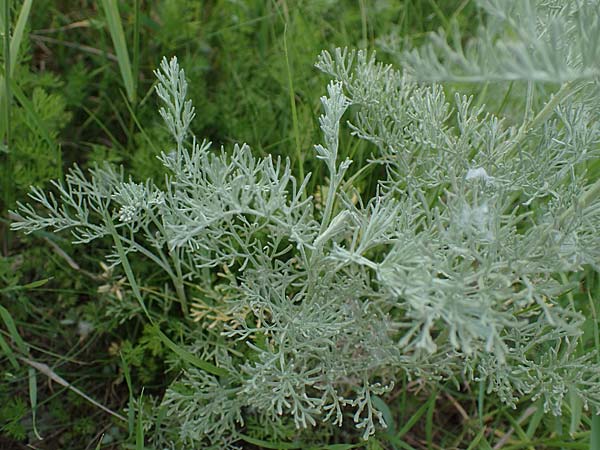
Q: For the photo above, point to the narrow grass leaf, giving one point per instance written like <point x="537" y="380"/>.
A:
<point x="270" y="445"/>
<point x="183" y="353"/>
<point x="113" y="140"/>
<point x="17" y="36"/>
<point x="139" y="428"/>
<point x="12" y="330"/>
<point x="6" y="350"/>
<point x="5" y="87"/>
<point x="131" y="406"/>
<point x="32" y="285"/>
<point x="289" y="445"/>
<point x="115" y="27"/>
<point x="46" y="370"/>
<point x="126" y="266"/>
<point x="475" y="442"/>
<point x="516" y="427"/>
<point x="292" y="95"/>
<point x="535" y="420"/>
<point x="188" y="356"/>
<point x="136" y="43"/>
<point x="337" y="447"/>
<point x="33" y="400"/>
<point x="481" y="399"/>
<point x="398" y="443"/>
<point x="429" y="420"/>
<point x="36" y="284"/>
<point x="436" y="8"/>
<point x="387" y="414"/>
<point x="485" y="445"/>
<point x="11" y="53"/>
<point x="558" y="426"/>
<point x="549" y="444"/>
<point x="141" y="128"/>
<point x="414" y="419"/>
<point x="595" y="435"/>
<point x="576" y="405"/>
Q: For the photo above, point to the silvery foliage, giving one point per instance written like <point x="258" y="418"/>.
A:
<point x="448" y="271"/>
<point x="540" y="40"/>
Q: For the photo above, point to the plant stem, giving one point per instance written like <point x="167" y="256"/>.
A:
<point x="7" y="178"/>
<point x="565" y="90"/>
<point x="178" y="282"/>
<point x="329" y="203"/>
<point x="299" y="155"/>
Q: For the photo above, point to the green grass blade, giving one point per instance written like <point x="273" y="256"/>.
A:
<point x="481" y="399"/>
<point x="126" y="266"/>
<point x="32" y="285"/>
<point x="558" y="426"/>
<point x="33" y="400"/>
<point x="337" y="447"/>
<point x="12" y="330"/>
<point x="396" y="443"/>
<point x="485" y="445"/>
<point x="139" y="428"/>
<point x="429" y="420"/>
<point x="387" y="414"/>
<point x="136" y="43"/>
<point x="180" y="351"/>
<point x="134" y="117"/>
<point x="576" y="406"/>
<point x="131" y="411"/>
<point x="11" y="52"/>
<point x="6" y="350"/>
<point x="17" y="37"/>
<point x="595" y="437"/>
<point x="5" y="115"/>
<point x="516" y="427"/>
<point x="474" y="444"/>
<point x="292" y="95"/>
<point x="94" y="118"/>
<point x="136" y="59"/>
<point x="115" y="27"/>
<point x="188" y="356"/>
<point x="290" y="445"/>
<point x="14" y="334"/>
<point x="415" y="418"/>
<point x="595" y="434"/>
<point x="535" y="421"/>
<point x="46" y="370"/>
<point x="271" y="445"/>
<point x="440" y="14"/>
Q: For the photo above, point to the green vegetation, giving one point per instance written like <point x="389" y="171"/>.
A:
<point x="389" y="263"/>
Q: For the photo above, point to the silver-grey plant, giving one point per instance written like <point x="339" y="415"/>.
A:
<point x="451" y="270"/>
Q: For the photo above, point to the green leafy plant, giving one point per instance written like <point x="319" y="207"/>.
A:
<point x="12" y="413"/>
<point x="29" y="128"/>
<point x="449" y="270"/>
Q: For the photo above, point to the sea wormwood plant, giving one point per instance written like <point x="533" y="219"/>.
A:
<point x="449" y="271"/>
